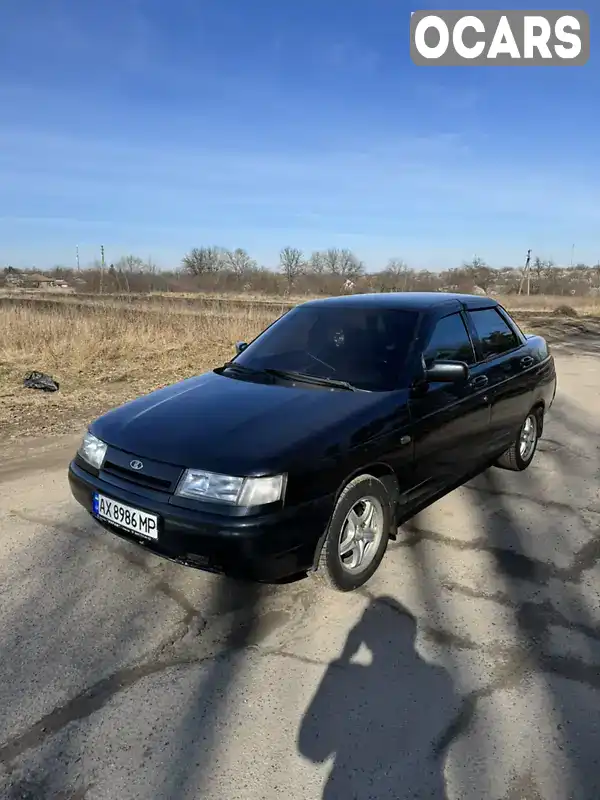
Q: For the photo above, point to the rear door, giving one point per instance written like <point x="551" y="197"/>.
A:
<point x="502" y="355"/>
<point x="450" y="420"/>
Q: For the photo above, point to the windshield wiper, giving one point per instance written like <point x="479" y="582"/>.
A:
<point x="301" y="376"/>
<point x="243" y="369"/>
<point x="291" y="376"/>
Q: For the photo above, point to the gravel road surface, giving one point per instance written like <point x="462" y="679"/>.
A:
<point x="468" y="668"/>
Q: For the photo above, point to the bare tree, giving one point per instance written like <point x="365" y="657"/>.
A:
<point x="351" y="267"/>
<point x="555" y="279"/>
<point x="203" y="260"/>
<point x="150" y="267"/>
<point x="475" y="263"/>
<point x="331" y="261"/>
<point x="479" y="273"/>
<point x="316" y="263"/>
<point x="291" y="261"/>
<point x="342" y="262"/>
<point x="538" y="268"/>
<point x="239" y="262"/>
<point x="332" y="271"/>
<point x="122" y="279"/>
<point x="131" y="263"/>
<point x="425" y="280"/>
<point x="328" y="260"/>
<point x="396" y="275"/>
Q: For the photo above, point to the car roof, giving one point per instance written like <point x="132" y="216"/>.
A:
<point x="410" y="301"/>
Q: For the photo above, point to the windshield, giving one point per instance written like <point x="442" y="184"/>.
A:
<point x="366" y="347"/>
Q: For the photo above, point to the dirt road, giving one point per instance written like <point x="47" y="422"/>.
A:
<point x="469" y="668"/>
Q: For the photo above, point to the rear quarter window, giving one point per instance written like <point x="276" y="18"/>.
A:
<point x="504" y="313"/>
<point x="495" y="335"/>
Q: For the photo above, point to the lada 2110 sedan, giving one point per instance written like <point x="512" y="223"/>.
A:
<point x="304" y="452"/>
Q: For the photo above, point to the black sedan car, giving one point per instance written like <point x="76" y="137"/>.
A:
<point x="305" y="451"/>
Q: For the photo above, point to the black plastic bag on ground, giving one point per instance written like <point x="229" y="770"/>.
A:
<point x="39" y="380"/>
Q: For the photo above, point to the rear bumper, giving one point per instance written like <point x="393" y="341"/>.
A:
<point x="268" y="548"/>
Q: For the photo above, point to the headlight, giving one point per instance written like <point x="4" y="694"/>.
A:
<point x="92" y="450"/>
<point x="200" y="485"/>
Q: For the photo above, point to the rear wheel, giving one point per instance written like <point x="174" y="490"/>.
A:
<point x="357" y="535"/>
<point x="520" y="454"/>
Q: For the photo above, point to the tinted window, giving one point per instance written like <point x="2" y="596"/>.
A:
<point x="450" y="342"/>
<point x="504" y="313"/>
<point x="367" y="347"/>
<point x="494" y="333"/>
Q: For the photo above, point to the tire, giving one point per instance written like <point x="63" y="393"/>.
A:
<point x="517" y="458"/>
<point x="342" y="571"/>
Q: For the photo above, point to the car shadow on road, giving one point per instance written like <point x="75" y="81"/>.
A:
<point x="376" y="720"/>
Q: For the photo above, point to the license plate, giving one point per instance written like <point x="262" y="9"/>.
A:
<point x="126" y="517"/>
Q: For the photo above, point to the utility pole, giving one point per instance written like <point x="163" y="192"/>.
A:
<point x="77" y="256"/>
<point x="101" y="267"/>
<point x="526" y="273"/>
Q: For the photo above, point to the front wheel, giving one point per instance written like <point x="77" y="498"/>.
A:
<point x="520" y="454"/>
<point x="357" y="535"/>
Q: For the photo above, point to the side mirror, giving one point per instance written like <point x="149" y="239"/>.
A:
<point x="446" y="372"/>
<point x="240" y="346"/>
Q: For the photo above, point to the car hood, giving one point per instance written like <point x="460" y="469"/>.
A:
<point x="232" y="426"/>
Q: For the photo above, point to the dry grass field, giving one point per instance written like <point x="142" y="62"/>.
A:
<point x="104" y="351"/>
<point x="103" y="355"/>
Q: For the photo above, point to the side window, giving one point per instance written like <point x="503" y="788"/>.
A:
<point x="449" y="342"/>
<point x="504" y="314"/>
<point x="494" y="333"/>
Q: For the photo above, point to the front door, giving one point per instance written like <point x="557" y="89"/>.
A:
<point x="450" y="420"/>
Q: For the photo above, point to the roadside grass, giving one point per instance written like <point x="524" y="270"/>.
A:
<point x="546" y="303"/>
<point x="583" y="306"/>
<point x="104" y="351"/>
<point x="102" y="356"/>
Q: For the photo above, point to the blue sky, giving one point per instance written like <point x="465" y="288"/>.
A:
<point x="152" y="128"/>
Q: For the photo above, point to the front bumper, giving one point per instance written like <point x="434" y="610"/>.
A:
<point x="267" y="548"/>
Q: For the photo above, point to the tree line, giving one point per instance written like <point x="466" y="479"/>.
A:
<point x="331" y="271"/>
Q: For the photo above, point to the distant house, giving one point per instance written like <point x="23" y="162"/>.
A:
<point x="35" y="280"/>
<point x="464" y="288"/>
<point x="14" y="279"/>
<point x="38" y="281"/>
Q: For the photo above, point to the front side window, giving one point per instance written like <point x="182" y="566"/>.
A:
<point x="494" y="333"/>
<point x="367" y="347"/>
<point x="449" y="342"/>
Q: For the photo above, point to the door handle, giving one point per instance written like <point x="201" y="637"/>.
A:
<point x="479" y="382"/>
<point x="527" y="361"/>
